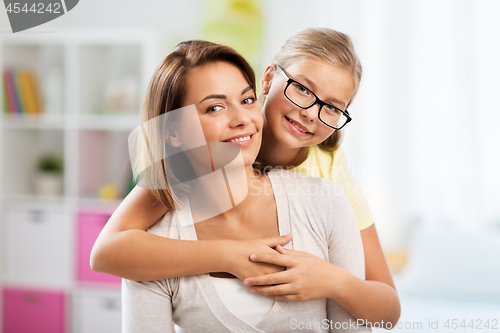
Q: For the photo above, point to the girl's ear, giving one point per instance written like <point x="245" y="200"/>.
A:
<point x="267" y="78"/>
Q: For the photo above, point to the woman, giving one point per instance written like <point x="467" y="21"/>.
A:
<point x="294" y="135"/>
<point x="221" y="86"/>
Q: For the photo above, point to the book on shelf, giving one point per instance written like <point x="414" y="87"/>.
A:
<point x="9" y="91"/>
<point x="20" y="91"/>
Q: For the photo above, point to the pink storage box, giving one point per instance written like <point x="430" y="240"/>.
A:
<point x="26" y="310"/>
<point x="89" y="227"/>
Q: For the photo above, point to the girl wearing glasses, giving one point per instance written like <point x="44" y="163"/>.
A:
<point x="305" y="95"/>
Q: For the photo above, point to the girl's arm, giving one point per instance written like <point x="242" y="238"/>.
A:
<point x="375" y="299"/>
<point x="384" y="305"/>
<point x="308" y="277"/>
<point x="378" y="278"/>
<point x="124" y="248"/>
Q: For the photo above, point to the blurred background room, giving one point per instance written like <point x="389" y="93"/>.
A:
<point x="423" y="144"/>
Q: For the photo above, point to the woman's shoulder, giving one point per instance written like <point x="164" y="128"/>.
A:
<point x="165" y="225"/>
<point x="304" y="187"/>
<point x="319" y="201"/>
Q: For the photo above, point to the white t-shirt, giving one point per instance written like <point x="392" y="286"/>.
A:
<point x="247" y="306"/>
<point x="323" y="223"/>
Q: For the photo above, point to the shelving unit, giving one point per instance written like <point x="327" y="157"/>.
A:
<point x="45" y="239"/>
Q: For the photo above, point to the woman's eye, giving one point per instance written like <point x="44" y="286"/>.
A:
<point x="249" y="100"/>
<point x="214" y="108"/>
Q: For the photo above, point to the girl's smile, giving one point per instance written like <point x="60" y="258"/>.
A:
<point x="297" y="127"/>
<point x="293" y="126"/>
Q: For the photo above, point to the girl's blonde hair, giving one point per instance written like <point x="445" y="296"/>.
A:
<point x="166" y="91"/>
<point x="323" y="44"/>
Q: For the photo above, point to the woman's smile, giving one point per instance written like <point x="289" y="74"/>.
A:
<point x="241" y="140"/>
<point x="226" y="107"/>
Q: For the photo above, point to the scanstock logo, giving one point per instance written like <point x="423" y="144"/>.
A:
<point x="26" y="14"/>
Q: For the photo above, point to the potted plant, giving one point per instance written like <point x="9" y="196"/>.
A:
<point x="49" y="176"/>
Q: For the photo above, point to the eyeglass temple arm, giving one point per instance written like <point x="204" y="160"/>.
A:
<point x="281" y="71"/>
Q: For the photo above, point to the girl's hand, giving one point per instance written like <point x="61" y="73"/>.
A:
<point x="239" y="253"/>
<point x="306" y="277"/>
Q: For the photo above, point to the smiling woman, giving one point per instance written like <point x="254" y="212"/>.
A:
<point x="169" y="92"/>
<point x="223" y="93"/>
<point x="230" y="117"/>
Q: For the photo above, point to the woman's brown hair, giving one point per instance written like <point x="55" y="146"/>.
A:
<point x="166" y="91"/>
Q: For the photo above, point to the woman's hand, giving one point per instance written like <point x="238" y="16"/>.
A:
<point x="239" y="252"/>
<point x="306" y="277"/>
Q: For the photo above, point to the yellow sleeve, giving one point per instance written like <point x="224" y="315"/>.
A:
<point x="342" y="175"/>
<point x="333" y="166"/>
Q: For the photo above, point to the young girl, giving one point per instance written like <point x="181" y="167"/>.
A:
<point x="219" y="87"/>
<point x="318" y="60"/>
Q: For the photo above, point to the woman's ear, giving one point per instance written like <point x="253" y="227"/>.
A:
<point x="173" y="138"/>
<point x="267" y="78"/>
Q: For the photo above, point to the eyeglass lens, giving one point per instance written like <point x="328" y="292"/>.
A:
<point x="303" y="97"/>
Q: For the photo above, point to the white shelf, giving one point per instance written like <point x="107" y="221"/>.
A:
<point x="123" y="121"/>
<point x="111" y="122"/>
<point x="33" y="121"/>
<point x="34" y="200"/>
<point x="122" y="36"/>
<point x="92" y="143"/>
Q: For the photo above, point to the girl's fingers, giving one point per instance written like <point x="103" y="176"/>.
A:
<point x="281" y="249"/>
<point x="268" y="279"/>
<point x="275" y="241"/>
<point x="279" y="290"/>
<point x="273" y="258"/>
<point x="286" y="298"/>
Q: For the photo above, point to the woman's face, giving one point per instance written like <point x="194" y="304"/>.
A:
<point x="295" y="127"/>
<point x="226" y="107"/>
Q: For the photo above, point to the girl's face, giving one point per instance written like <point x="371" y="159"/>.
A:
<point x="226" y="107"/>
<point x="295" y="127"/>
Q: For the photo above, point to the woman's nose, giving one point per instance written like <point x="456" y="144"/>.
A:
<point x="310" y="114"/>
<point x="240" y="117"/>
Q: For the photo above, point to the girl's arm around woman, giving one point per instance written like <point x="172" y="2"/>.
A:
<point x="125" y="249"/>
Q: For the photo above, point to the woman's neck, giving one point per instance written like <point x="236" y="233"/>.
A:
<point x="276" y="154"/>
<point x="259" y="191"/>
<point x="255" y="182"/>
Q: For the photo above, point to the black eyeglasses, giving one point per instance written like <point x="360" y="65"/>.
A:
<point x="304" y="98"/>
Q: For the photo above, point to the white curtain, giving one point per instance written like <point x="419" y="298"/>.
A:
<point x="425" y="136"/>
